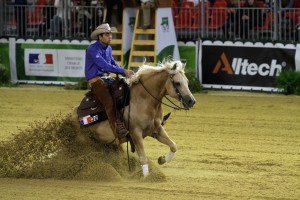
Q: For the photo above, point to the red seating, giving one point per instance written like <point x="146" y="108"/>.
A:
<point x="186" y="4"/>
<point x="174" y="3"/>
<point x="268" y="22"/>
<point x="185" y="15"/>
<point x="174" y="8"/>
<point x="260" y="4"/>
<point x="218" y="16"/>
<point x="293" y="16"/>
<point x="35" y="17"/>
<point x="242" y="3"/>
<point x="198" y="16"/>
<point x="183" y="20"/>
<point x="11" y="23"/>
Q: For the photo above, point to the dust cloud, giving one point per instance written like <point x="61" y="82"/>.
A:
<point x="49" y="150"/>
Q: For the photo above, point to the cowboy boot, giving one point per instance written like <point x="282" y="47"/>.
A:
<point x="122" y="131"/>
<point x="102" y="95"/>
<point x="121" y="126"/>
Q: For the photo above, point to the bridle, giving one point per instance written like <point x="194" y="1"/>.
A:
<point x="176" y="107"/>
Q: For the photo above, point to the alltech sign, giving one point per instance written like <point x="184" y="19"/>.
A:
<point x="244" y="66"/>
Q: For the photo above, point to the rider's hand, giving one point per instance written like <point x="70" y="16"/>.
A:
<point x="128" y="73"/>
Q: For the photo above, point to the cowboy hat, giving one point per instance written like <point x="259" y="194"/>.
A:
<point x="103" y="28"/>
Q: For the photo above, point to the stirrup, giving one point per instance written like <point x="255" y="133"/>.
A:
<point x="121" y="130"/>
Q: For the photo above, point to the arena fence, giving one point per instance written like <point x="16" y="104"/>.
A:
<point x="191" y="22"/>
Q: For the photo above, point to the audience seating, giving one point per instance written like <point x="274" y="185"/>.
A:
<point x="218" y="15"/>
<point x="197" y="22"/>
<point x="35" y="17"/>
<point x="185" y="16"/>
<point x="268" y="22"/>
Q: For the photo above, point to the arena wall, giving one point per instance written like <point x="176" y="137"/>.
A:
<point x="217" y="64"/>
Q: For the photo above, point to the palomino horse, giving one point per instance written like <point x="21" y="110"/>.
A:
<point x="144" y="114"/>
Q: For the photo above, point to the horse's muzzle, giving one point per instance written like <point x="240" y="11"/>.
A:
<point x="188" y="101"/>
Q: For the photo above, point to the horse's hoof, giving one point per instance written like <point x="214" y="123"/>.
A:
<point x="161" y="160"/>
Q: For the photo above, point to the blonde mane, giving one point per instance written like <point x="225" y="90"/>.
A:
<point x="165" y="65"/>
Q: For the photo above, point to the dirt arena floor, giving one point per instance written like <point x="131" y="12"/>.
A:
<point x="231" y="145"/>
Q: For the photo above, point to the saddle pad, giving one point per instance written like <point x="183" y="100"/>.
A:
<point x="89" y="106"/>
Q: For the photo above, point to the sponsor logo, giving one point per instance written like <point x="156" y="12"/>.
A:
<point x="165" y="24"/>
<point x="35" y="58"/>
<point x="241" y="66"/>
<point x="131" y="23"/>
<point x="88" y="119"/>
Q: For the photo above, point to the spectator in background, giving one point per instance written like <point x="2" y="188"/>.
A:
<point x="290" y="16"/>
<point x="197" y="2"/>
<point x="249" y="17"/>
<point x="282" y="5"/>
<point x="58" y="18"/>
<point x="230" y="25"/>
<point x="109" y="7"/>
<point x="85" y="17"/>
<point x="62" y="15"/>
<point x="20" y="17"/>
<point x="297" y="4"/>
<point x="211" y="2"/>
<point x="146" y="6"/>
<point x="48" y="13"/>
<point x="98" y="14"/>
<point x="286" y="4"/>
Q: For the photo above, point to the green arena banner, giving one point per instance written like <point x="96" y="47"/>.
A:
<point x="188" y="54"/>
<point x="50" y="62"/>
<point x="4" y="59"/>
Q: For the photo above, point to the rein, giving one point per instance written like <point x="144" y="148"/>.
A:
<point x="176" y="107"/>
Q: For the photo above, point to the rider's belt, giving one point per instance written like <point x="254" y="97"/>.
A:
<point x="93" y="80"/>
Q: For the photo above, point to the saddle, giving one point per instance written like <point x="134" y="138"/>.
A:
<point x="90" y="111"/>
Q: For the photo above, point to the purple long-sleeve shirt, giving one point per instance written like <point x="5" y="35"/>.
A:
<point x="99" y="60"/>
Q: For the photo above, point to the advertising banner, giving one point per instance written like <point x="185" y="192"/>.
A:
<point x="50" y="62"/>
<point x="244" y="65"/>
<point x="297" y="57"/>
<point x="188" y="54"/>
<point x="4" y="58"/>
<point x="166" y="45"/>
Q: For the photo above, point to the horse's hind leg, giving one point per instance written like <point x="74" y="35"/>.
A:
<point x="163" y="137"/>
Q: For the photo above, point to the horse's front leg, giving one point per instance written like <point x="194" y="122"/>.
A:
<point x="162" y="136"/>
<point x="139" y="146"/>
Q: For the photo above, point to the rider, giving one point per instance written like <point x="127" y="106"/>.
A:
<point x="98" y="64"/>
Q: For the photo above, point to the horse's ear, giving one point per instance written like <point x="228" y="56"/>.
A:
<point x="174" y="66"/>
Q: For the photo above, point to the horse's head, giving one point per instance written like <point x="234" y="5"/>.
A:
<point x="177" y="84"/>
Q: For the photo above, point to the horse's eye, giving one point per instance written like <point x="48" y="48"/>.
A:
<point x="177" y="84"/>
